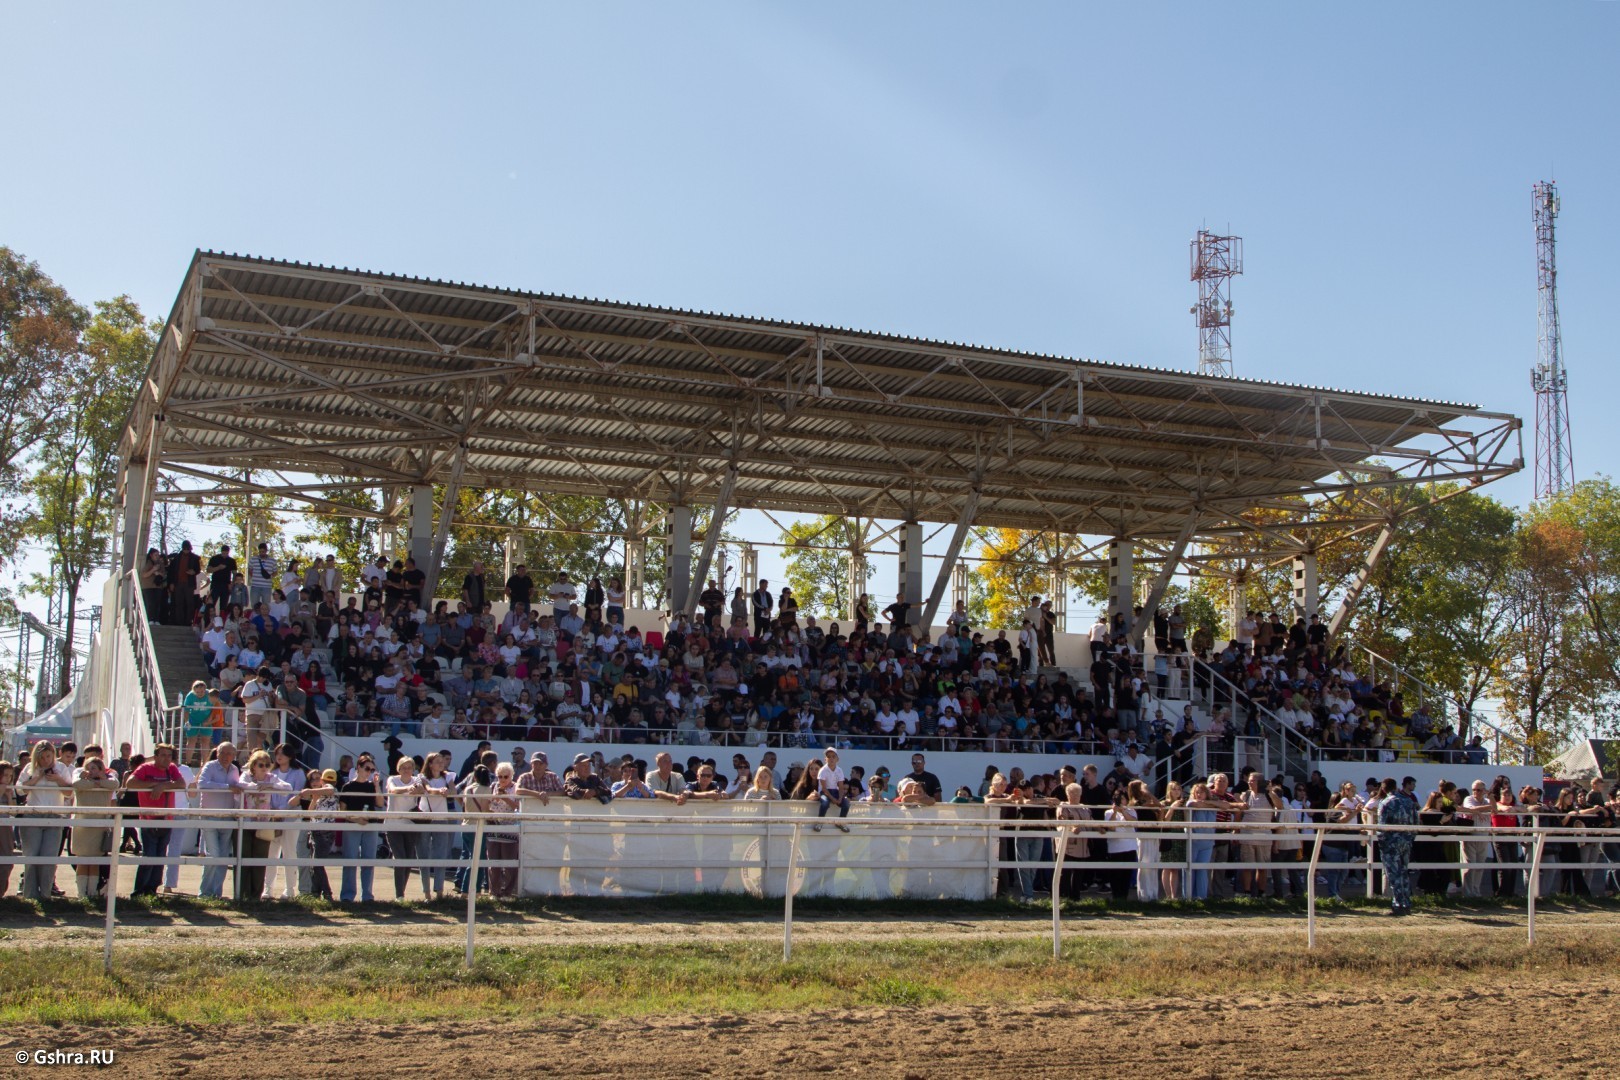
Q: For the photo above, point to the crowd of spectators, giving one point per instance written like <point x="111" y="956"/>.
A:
<point x="1202" y="860"/>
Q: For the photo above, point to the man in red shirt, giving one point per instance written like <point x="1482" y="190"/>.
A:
<point x="154" y="784"/>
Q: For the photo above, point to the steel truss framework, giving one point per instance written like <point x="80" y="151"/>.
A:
<point x="349" y="379"/>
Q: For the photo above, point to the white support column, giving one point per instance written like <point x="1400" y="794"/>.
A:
<point x="1161" y="582"/>
<point x="678" y="565"/>
<point x="711" y="538"/>
<point x="1237" y="599"/>
<point x="441" y="533"/>
<point x="959" y="585"/>
<point x="909" y="588"/>
<point x="136" y="514"/>
<point x="1121" y="579"/>
<point x="1363" y="576"/>
<point x="953" y="551"/>
<point x="510" y="557"/>
<point x="1307" y="598"/>
<point x="421" y="542"/>
<point x="748" y="574"/>
<point x="857" y="567"/>
<point x="635" y="571"/>
<point x="1057" y="588"/>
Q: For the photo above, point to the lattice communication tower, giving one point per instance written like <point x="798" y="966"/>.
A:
<point x="1216" y="260"/>
<point x="1555" y="453"/>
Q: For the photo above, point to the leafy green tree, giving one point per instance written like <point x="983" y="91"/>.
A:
<point x="40" y="328"/>
<point x="817" y="565"/>
<point x="75" y="478"/>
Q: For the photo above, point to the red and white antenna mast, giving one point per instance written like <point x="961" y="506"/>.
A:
<point x="1215" y="261"/>
<point x="1555" y="452"/>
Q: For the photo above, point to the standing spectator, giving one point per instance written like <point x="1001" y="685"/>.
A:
<point x="221" y="572"/>
<point x="288" y="846"/>
<point x="154" y="575"/>
<point x="1121" y="841"/>
<point x="155" y="783"/>
<point x="199" y="730"/>
<point x="1397" y="807"/>
<point x="1504" y="816"/>
<point x="184" y="567"/>
<point x="47" y="782"/>
<point x="8" y="838"/>
<point x="434" y="847"/>
<point x="258" y="786"/>
<point x="1147" y="808"/>
<point x="219" y="787"/>
<point x="94" y="787"/>
<point x="261" y="576"/>
<point x="1476" y="853"/>
<point x="318" y="799"/>
<point x="519" y="589"/>
<point x="563" y="594"/>
<point x="1046" y="633"/>
<point x="761" y="607"/>
<point x="504" y="799"/>
<point x="405" y="793"/>
<point x="359" y="799"/>
<point x="1260" y="806"/>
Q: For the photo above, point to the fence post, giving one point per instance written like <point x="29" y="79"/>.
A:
<point x="236" y="875"/>
<point x="1060" y="851"/>
<point x="1310" y="889"/>
<point x="787" y="894"/>
<point x="472" y="887"/>
<point x="1533" y="886"/>
<point x="112" y="891"/>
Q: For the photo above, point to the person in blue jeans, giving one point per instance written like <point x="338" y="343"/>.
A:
<point x="219" y="787"/>
<point x="1201" y="809"/>
<point x="830" y="781"/>
<point x="358" y="800"/>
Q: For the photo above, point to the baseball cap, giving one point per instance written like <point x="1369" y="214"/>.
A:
<point x="330" y="776"/>
<point x="537" y="756"/>
<point x="581" y="757"/>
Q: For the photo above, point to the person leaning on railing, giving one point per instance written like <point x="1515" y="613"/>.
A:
<point x="46" y="782"/>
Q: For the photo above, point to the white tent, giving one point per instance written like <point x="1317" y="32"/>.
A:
<point x="1585" y="759"/>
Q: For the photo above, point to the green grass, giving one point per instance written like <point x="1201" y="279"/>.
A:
<point x="196" y="985"/>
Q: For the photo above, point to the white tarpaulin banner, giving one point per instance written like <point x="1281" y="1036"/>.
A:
<point x="587" y="849"/>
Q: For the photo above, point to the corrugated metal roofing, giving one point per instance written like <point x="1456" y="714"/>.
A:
<point x="270" y="364"/>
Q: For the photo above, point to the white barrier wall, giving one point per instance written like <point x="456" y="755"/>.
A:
<point x="596" y="850"/>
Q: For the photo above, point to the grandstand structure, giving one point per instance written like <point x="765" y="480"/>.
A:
<point x="296" y="380"/>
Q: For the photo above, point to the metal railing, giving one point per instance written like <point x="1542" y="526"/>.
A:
<point x="132" y="611"/>
<point x="1442" y="704"/>
<point x="1527" y="843"/>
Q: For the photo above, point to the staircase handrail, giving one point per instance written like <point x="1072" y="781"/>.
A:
<point x="133" y="609"/>
<point x="1426" y="691"/>
<point x="1303" y="746"/>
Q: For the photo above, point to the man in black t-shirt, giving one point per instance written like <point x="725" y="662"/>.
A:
<point x="929" y="782"/>
<point x="472" y="586"/>
<point x="415" y="579"/>
<point x="221" y="572"/>
<point x="519" y="588"/>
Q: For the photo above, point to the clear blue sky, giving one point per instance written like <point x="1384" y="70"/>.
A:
<point x="1016" y="175"/>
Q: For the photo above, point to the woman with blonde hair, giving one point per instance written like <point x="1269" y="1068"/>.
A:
<point x="1147" y="808"/>
<point x="258" y="785"/>
<point x="1173" y="844"/>
<point x="763" y="788"/>
<point x="47" y="782"/>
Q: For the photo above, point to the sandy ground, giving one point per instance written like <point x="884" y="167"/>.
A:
<point x="1300" y="1037"/>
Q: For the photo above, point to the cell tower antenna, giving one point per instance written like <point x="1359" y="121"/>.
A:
<point x="1555" y="453"/>
<point x="1216" y="260"/>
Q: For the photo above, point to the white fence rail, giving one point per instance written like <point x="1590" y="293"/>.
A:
<point x="1529" y="842"/>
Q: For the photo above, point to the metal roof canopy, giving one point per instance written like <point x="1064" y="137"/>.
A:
<point x="378" y="380"/>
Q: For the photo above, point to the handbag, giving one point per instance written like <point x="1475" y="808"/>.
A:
<point x="265" y="834"/>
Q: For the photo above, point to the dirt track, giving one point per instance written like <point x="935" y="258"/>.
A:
<point x="1324" y="1035"/>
